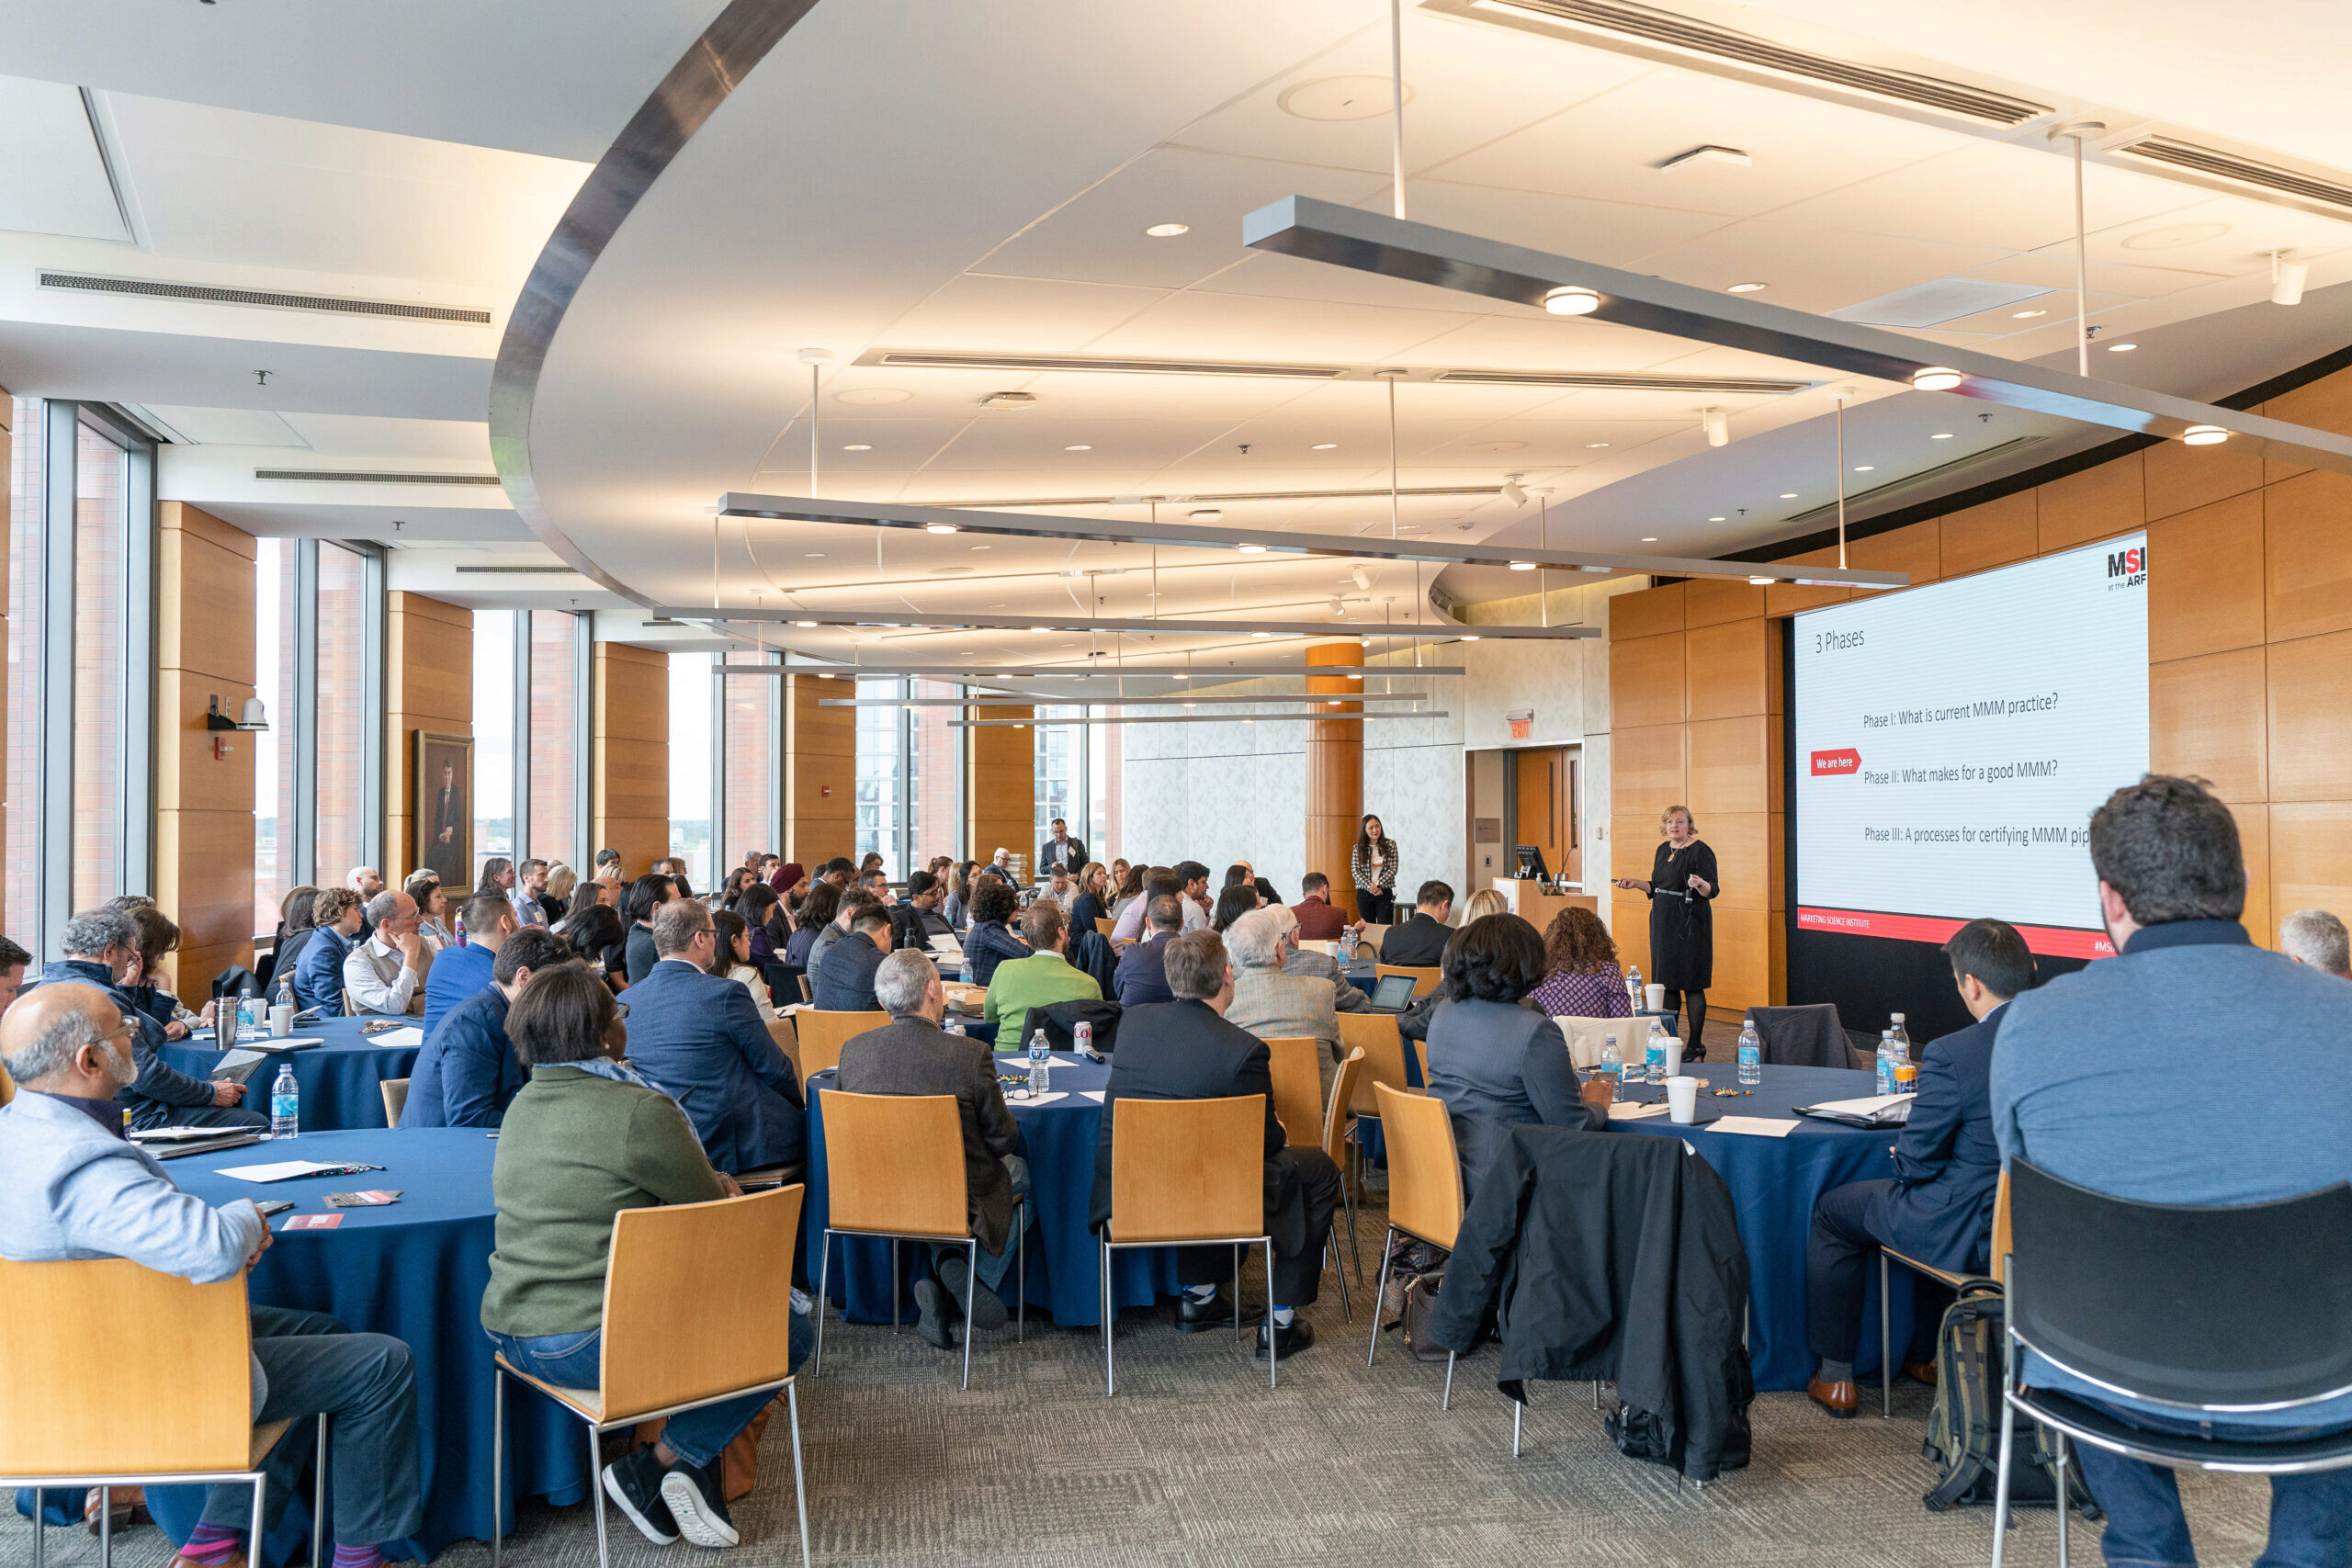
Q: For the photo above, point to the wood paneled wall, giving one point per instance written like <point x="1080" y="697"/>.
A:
<point x="1000" y="788"/>
<point x="1335" y="773"/>
<point x="428" y="685"/>
<point x="630" y="792"/>
<point x="204" y="803"/>
<point x="7" y="531"/>
<point x="819" y="772"/>
<point x="2249" y="634"/>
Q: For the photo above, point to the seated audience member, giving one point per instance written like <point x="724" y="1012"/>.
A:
<point x="916" y="918"/>
<point x="854" y="901"/>
<point x="1241" y="872"/>
<point x="556" y="897"/>
<point x="608" y="867"/>
<point x="767" y="922"/>
<point x="2318" y="938"/>
<point x="595" y="935"/>
<point x="1938" y="1208"/>
<point x="100" y="947"/>
<point x="73" y="1187"/>
<point x="584" y="1139"/>
<point x="817" y="912"/>
<point x="1272" y="1005"/>
<point x="991" y="942"/>
<point x="432" y="910"/>
<point x="318" y="978"/>
<point x="466" y="1071"/>
<point x="530" y="893"/>
<point x="1185" y="1049"/>
<point x="789" y="881"/>
<point x="1307" y="962"/>
<point x="1495" y="1064"/>
<point x="2091" y="1074"/>
<point x="1142" y="975"/>
<point x="1581" y="978"/>
<point x="1319" y="919"/>
<point x="14" y="960"/>
<point x="957" y="907"/>
<point x="730" y="958"/>
<point x="876" y="881"/>
<point x="1093" y="903"/>
<point x="463" y="971"/>
<point x="157" y="937"/>
<point x="294" y="928"/>
<point x="1127" y="885"/>
<point x="1232" y="903"/>
<point x="675" y="870"/>
<point x="1419" y="941"/>
<point x="1129" y="924"/>
<point x="731" y="889"/>
<point x="913" y="1054"/>
<point x="843" y="979"/>
<point x="700" y="1039"/>
<point x="1060" y="887"/>
<point x="1043" y="978"/>
<point x="1484" y="902"/>
<point x="1000" y="866"/>
<point x="385" y="974"/>
<point x="1198" y="906"/>
<point x="646" y="894"/>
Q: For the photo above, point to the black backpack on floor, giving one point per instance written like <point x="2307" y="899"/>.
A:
<point x="1963" y="1442"/>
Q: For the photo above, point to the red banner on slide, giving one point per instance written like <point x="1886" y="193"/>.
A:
<point x="1844" y="761"/>
<point x="2055" y="941"/>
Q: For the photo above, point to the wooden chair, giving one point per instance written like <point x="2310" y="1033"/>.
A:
<point x="822" y="1035"/>
<point x="1105" y="926"/>
<point x="1950" y="1279"/>
<point x="1369" y="939"/>
<point x="1424" y="979"/>
<point x="1186" y="1173"/>
<point x="8" y="1087"/>
<point x="698" y="1309"/>
<point x="64" y="1421"/>
<point x="1298" y="1105"/>
<point x="894" y="1166"/>
<point x="807" y="993"/>
<point x="787" y="1040"/>
<point x="1383" y="1045"/>
<point x="1335" y="1142"/>
<point x="395" y="1093"/>
<point x="1424" y="1190"/>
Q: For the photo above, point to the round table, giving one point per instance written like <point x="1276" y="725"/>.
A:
<point x="1058" y="1140"/>
<point x="415" y="1269"/>
<point x="340" y="1081"/>
<point x="1774" y="1183"/>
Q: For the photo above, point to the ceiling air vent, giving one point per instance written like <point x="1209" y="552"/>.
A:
<point x="271" y="300"/>
<point x="1601" y="380"/>
<point x="2218" y="164"/>
<point x="370" y="477"/>
<point x="1613" y="24"/>
<point x="910" y="358"/>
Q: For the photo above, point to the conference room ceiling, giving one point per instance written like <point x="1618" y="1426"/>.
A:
<point x="903" y="176"/>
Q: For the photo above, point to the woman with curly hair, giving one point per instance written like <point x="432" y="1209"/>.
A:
<point x="1581" y="976"/>
<point x="993" y="940"/>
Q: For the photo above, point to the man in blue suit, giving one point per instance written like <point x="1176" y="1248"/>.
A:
<point x="458" y="973"/>
<point x="318" y="978"/>
<point x="699" y="1039"/>
<point x="1938" y="1207"/>
<point x="467" y="1070"/>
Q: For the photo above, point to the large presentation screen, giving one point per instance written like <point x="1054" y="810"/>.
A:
<point x="1950" y="744"/>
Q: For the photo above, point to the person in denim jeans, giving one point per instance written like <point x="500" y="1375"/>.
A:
<point x="584" y="1139"/>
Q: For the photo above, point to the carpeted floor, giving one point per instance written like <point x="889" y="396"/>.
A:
<point x="1197" y="1463"/>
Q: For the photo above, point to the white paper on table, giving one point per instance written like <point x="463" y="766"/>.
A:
<point x="408" y="1035"/>
<point x="1094" y="1094"/>
<point x="1870" y="1105"/>
<point x="1632" y="1110"/>
<point x="174" y="1135"/>
<point x="282" y="1170"/>
<point x="1036" y="1099"/>
<point x="1754" y="1126"/>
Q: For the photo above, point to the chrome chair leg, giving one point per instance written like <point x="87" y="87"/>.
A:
<point x="1446" y="1402"/>
<point x="1239" y="1332"/>
<point x="1885" y="1345"/>
<point x="253" y="1546"/>
<point x="1340" y="1269"/>
<point x="799" y="1486"/>
<point x="319" y="1491"/>
<point x="894" y="1284"/>
<point x="1272" y="1359"/>
<point x="1380" y="1297"/>
<point x="825" y="1279"/>
<point x="597" y="1490"/>
<point x="2001" y="1476"/>
<point x="106" y="1526"/>
<point x="1110" y="1381"/>
<point x="497" y="1461"/>
<point x="1518" y="1410"/>
<point x="971" y="1295"/>
<point x="2060" y="1455"/>
<point x="41" y="1529"/>
<point x="1021" y="1272"/>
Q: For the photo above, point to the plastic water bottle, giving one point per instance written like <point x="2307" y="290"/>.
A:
<point x="1633" y="986"/>
<point x="1751" y="1054"/>
<point x="247" y="1022"/>
<point x="457" y="929"/>
<point x="1041" y="1064"/>
<point x="285" y="1105"/>
<point x="956" y="1026"/>
<point x="1888" y="1053"/>
<point x="1654" y="1056"/>
<point x="1902" y="1035"/>
<point x="285" y="992"/>
<point x="1612" y="1063"/>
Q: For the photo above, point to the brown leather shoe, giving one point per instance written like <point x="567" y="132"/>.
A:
<point x="1837" y="1398"/>
<point x="1920" y="1372"/>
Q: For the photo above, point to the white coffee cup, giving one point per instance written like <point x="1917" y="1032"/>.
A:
<point x="1683" y="1100"/>
<point x="1655" y="997"/>
<point x="1673" y="1055"/>
<point x="281" y="1022"/>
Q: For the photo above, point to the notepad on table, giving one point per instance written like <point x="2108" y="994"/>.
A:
<point x="408" y="1035"/>
<point x="1633" y="1110"/>
<point x="1094" y="1094"/>
<point x="1754" y="1126"/>
<point x="282" y="1170"/>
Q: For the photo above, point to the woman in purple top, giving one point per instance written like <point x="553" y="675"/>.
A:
<point x="1581" y="976"/>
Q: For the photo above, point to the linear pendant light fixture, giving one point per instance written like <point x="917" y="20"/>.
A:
<point x="1187" y="718"/>
<point x="1107" y="673"/>
<point x="1370" y="241"/>
<point x="1346" y="547"/>
<point x="1101" y="700"/>
<point x="903" y="619"/>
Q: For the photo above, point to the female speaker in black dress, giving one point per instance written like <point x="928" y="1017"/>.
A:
<point x="1680" y="889"/>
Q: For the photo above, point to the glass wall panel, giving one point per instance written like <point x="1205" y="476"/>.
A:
<point x="494" y="737"/>
<point x="690" y="779"/>
<point x="101" y="470"/>
<point x="339" y="716"/>
<point x="1103" y="763"/>
<point x="747" y="711"/>
<point x="1060" y="754"/>
<point x="555" y="743"/>
<point x="275" y="875"/>
<point x="21" y="888"/>
<point x="934" y="776"/>
<point x="881" y="776"/>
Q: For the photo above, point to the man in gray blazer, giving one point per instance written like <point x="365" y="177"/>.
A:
<point x="913" y="1054"/>
<point x="2091" y="1071"/>
<point x="1272" y="1005"/>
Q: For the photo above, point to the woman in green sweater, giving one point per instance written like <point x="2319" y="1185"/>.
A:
<point x="584" y="1139"/>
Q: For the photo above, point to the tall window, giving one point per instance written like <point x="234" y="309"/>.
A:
<point x="690" y="763"/>
<point x="100" y="550"/>
<point x="749" y="748"/>
<point x="339" y="713"/>
<point x="273" y="615"/>
<point x="881" y="771"/>
<point x="1077" y="777"/>
<point x="934" y="775"/>
<point x="1103" y="761"/>
<point x="557" y="811"/>
<point x="494" y="737"/>
<point x="909" y="774"/>
<point x="26" y="488"/>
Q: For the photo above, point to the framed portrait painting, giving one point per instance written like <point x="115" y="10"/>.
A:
<point x="444" y="801"/>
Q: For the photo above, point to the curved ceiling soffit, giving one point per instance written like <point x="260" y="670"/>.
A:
<point x="712" y="68"/>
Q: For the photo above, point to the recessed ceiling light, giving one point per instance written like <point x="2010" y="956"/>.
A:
<point x="1469" y="639"/>
<point x="2204" y="435"/>
<point x="1714" y="519"/>
<point x="1262" y="633"/>
<point x="1936" y="379"/>
<point x="1251" y="549"/>
<point x="980" y="546"/>
<point x="1788" y="495"/>
<point x="2121" y="347"/>
<point x="1761" y="582"/>
<point x="1649" y="539"/>
<point x="827" y="675"/>
<point x="1572" y="301"/>
<point x="1325" y="446"/>
<point x="1941" y="436"/>
<point x="1522" y="566"/>
<point x="803" y="623"/>
<point x="1206" y="514"/>
<point x="814" y="555"/>
<point x="1594" y="445"/>
<point x="1041" y="628"/>
<point x="1168" y="231"/>
<point x="1081" y="446"/>
<point x="1747" y="288"/>
<point x="940" y="528"/>
<point x="1864" y="467"/>
<point x="857" y="447"/>
<point x="2026" y="315"/>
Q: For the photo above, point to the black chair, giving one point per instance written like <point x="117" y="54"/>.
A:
<point x="1806" y="1036"/>
<point x="2179" y="1307"/>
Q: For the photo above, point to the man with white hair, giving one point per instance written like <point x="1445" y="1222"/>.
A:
<point x="99" y="946"/>
<point x="73" y="1187"/>
<point x="913" y="1054"/>
<point x="386" y="973"/>
<point x="1272" y="1005"/>
<point x="2316" y="938"/>
<point x="1312" y="963"/>
<point x="1000" y="866"/>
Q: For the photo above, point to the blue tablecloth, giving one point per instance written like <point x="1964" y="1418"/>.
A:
<point x="415" y="1269"/>
<point x="1774" y="1183"/>
<point x="1064" y="1263"/>
<point x="339" y="1079"/>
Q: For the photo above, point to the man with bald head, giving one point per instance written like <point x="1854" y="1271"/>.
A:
<point x="386" y="973"/>
<point x="73" y="1187"/>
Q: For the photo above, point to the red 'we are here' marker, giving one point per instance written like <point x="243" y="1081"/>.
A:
<point x="1845" y="759"/>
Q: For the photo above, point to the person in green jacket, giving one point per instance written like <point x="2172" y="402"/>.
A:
<point x="1039" y="980"/>
<point x="582" y="1140"/>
